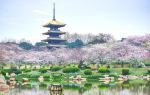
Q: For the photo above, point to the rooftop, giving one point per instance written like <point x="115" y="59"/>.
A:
<point x="54" y="23"/>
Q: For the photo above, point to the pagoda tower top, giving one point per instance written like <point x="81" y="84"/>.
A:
<point x="54" y="22"/>
<point x="54" y="11"/>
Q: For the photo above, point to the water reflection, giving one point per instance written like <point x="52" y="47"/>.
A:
<point x="134" y="87"/>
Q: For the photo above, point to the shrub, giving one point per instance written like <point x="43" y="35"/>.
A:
<point x="70" y="69"/>
<point x="14" y="70"/>
<point x="26" y="70"/>
<point x="148" y="71"/>
<point x="103" y="70"/>
<point x="43" y="70"/>
<point x="46" y="75"/>
<point x="87" y="85"/>
<point x="88" y="72"/>
<point x="55" y="68"/>
<point x="19" y="77"/>
<point x="93" y="77"/>
<point x="147" y="63"/>
<point x="125" y="71"/>
<point x="34" y="74"/>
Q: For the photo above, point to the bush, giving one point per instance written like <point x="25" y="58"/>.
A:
<point x="55" y="68"/>
<point x="14" y="70"/>
<point x="34" y="74"/>
<point x="70" y="69"/>
<point x="46" y="75"/>
<point x="87" y="85"/>
<point x="26" y="70"/>
<point x="147" y="63"/>
<point x="43" y="70"/>
<point x="93" y="77"/>
<point x="125" y="71"/>
<point x="103" y="70"/>
<point x="19" y="77"/>
<point x="148" y="71"/>
<point x="88" y="72"/>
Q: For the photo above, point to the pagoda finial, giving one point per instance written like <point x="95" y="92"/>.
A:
<point x="54" y="11"/>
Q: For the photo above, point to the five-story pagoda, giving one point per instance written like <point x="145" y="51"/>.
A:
<point x="54" y="40"/>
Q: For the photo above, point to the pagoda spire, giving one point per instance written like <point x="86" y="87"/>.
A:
<point x="54" y="11"/>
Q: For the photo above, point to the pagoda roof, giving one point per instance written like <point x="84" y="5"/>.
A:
<point x="54" y="32"/>
<point x="54" y="23"/>
<point x="59" y="39"/>
<point x="51" y="45"/>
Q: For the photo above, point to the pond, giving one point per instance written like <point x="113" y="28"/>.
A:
<point x="132" y="87"/>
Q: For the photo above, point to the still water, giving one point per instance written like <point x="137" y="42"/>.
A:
<point x="134" y="87"/>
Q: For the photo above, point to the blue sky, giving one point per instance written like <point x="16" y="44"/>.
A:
<point x="122" y="18"/>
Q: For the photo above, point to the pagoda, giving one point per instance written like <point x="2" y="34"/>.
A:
<point x="54" y="39"/>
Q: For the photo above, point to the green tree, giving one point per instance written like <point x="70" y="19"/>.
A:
<point x="25" y="45"/>
<point x="40" y="44"/>
<point x="77" y="44"/>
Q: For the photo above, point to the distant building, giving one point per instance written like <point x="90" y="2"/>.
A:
<point x="54" y="34"/>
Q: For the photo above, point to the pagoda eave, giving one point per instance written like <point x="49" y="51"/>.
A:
<point x="60" y="33"/>
<point x="57" y="46"/>
<point x="51" y="39"/>
<point x="50" y="25"/>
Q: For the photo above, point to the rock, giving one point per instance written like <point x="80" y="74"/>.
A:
<point x="132" y="77"/>
<point x="25" y="79"/>
<point x="41" y="79"/>
<point x="2" y="81"/>
<point x="4" y="87"/>
<point x="12" y="75"/>
<point x="12" y="79"/>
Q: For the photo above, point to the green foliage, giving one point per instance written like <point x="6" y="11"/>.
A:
<point x="19" y="77"/>
<point x="34" y="74"/>
<point x="55" y="68"/>
<point x="70" y="69"/>
<point x="13" y="70"/>
<point x="40" y="44"/>
<point x="103" y="86"/>
<point x="43" y="70"/>
<point x="26" y="70"/>
<point x="71" y="86"/>
<point x="77" y="44"/>
<point x="57" y="77"/>
<point x="125" y="71"/>
<point x="93" y="77"/>
<point x="147" y="63"/>
<point x="25" y="45"/>
<point x="43" y="85"/>
<point x="88" y="86"/>
<point x="88" y="72"/>
<point x="103" y="70"/>
<point x="148" y="71"/>
<point x="46" y="75"/>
